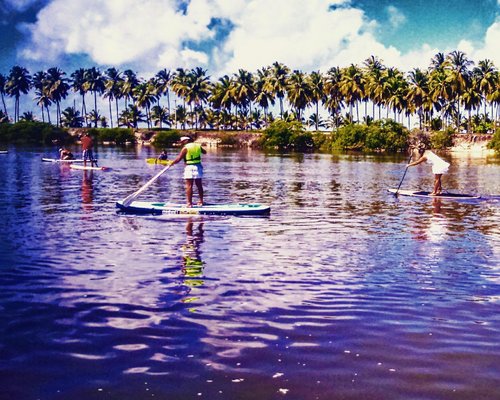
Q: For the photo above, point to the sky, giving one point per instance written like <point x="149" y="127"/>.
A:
<point x="223" y="36"/>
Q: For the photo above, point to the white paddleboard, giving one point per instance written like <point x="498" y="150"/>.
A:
<point x="89" y="168"/>
<point x="57" y="160"/>
<point x="421" y="193"/>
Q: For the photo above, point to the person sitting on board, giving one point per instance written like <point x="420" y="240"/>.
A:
<point x="87" y="149"/>
<point x="193" y="171"/>
<point x="65" y="154"/>
<point x="162" y="156"/>
<point x="439" y="167"/>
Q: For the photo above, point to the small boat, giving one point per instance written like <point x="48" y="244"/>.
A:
<point x="445" y="195"/>
<point x="157" y="208"/>
<point x="89" y="168"/>
<point x="156" y="161"/>
<point x="57" y="160"/>
<point x="4" y="151"/>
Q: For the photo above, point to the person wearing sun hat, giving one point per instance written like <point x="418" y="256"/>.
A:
<point x="193" y="171"/>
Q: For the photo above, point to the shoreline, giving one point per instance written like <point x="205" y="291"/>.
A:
<point x="475" y="144"/>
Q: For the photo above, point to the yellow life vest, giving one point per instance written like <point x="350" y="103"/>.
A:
<point x="193" y="155"/>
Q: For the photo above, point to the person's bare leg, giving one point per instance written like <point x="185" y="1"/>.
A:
<point x="437" y="185"/>
<point x="439" y="188"/>
<point x="189" y="192"/>
<point x="199" y="186"/>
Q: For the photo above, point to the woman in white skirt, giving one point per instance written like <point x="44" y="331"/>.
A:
<point x="439" y="167"/>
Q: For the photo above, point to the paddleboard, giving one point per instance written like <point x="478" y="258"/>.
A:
<point x="89" y="168"/>
<point x="4" y="151"/>
<point x="157" y="208"/>
<point x="57" y="160"/>
<point x="156" y="161"/>
<point x="417" y="193"/>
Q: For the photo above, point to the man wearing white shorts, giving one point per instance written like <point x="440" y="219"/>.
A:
<point x="439" y="167"/>
<point x="193" y="171"/>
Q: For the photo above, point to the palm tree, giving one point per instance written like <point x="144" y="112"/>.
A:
<point x="277" y="81"/>
<point x="160" y="116"/>
<point x="42" y="97"/>
<point x="459" y="77"/>
<point x="334" y="98"/>
<point x="263" y="97"/>
<point x="374" y="72"/>
<point x="317" y="91"/>
<point x="71" y="118"/>
<point x="486" y="76"/>
<point x="112" y="90"/>
<point x="197" y="91"/>
<point x="352" y="87"/>
<point x="244" y="91"/>
<point x="3" y="81"/>
<point x="130" y="81"/>
<point x="145" y="96"/>
<point x="27" y="116"/>
<point x="180" y="86"/>
<point x="94" y="82"/>
<point x="418" y="92"/>
<point x="131" y="116"/>
<point x="298" y="91"/>
<point x="18" y="82"/>
<point x="78" y="85"/>
<point x="57" y="87"/>
<point x="471" y="99"/>
<point x="222" y="96"/>
<point x="162" y="82"/>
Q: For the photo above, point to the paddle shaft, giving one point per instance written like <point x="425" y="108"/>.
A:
<point x="129" y="199"/>
<point x="400" y="183"/>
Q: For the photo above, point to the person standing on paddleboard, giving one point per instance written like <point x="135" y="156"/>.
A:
<point x="87" y="150"/>
<point x="439" y="167"/>
<point x="193" y="171"/>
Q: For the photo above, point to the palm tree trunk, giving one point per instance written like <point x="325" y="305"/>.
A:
<point x="4" y="106"/>
<point x="95" y="108"/>
<point x="110" y="113"/>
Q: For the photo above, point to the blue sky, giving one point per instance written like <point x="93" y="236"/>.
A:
<point x="225" y="35"/>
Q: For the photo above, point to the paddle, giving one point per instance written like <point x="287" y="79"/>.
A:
<point x="406" y="169"/>
<point x="129" y="199"/>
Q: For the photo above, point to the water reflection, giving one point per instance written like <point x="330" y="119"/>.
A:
<point x="192" y="264"/>
<point x="87" y="190"/>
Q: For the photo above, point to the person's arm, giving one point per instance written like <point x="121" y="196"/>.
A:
<point x="419" y="161"/>
<point x="180" y="157"/>
<point x="203" y="150"/>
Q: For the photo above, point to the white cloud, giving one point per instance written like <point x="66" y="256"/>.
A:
<point x="396" y="17"/>
<point x="154" y="34"/>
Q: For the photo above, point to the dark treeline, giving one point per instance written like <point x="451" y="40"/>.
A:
<point x="451" y="92"/>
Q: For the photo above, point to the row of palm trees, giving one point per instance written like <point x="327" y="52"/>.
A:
<point x="452" y="89"/>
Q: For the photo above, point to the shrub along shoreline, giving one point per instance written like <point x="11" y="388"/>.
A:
<point x="383" y="135"/>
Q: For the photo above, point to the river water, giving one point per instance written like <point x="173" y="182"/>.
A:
<point x="343" y="292"/>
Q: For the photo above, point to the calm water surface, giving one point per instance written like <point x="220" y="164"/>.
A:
<point x="344" y="292"/>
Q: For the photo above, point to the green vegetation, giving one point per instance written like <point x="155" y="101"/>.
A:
<point x="167" y="138"/>
<point x="283" y="135"/>
<point x="495" y="141"/>
<point x="442" y="139"/>
<point x="114" y="135"/>
<point x="32" y="132"/>
<point x="380" y="135"/>
<point x="228" y="139"/>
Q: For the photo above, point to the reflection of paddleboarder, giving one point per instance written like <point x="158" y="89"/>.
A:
<point x="191" y="248"/>
<point x="87" y="187"/>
